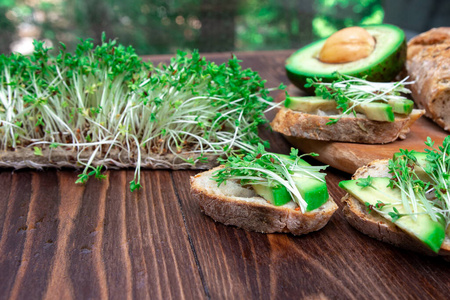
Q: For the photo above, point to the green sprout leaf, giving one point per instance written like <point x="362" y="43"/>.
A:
<point x="82" y="178"/>
<point x="395" y="215"/>
<point x="37" y="151"/>
<point x="134" y="186"/>
<point x="364" y="182"/>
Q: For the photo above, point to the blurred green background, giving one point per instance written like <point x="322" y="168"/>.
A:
<point x="161" y="27"/>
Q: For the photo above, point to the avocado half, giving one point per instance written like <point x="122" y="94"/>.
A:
<point x="382" y="65"/>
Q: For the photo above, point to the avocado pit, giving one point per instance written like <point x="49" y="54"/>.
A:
<point x="347" y="45"/>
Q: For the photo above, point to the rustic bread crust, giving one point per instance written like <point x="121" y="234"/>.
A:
<point x="232" y="204"/>
<point x="378" y="227"/>
<point x="428" y="60"/>
<point x="347" y="129"/>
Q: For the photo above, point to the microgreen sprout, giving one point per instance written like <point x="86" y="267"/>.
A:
<point x="413" y="189"/>
<point x="438" y="170"/>
<point x="378" y="206"/>
<point x="365" y="182"/>
<point x="430" y="194"/>
<point x="270" y="169"/>
<point x="110" y="107"/>
<point x="350" y="92"/>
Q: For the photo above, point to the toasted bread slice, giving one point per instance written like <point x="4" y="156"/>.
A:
<point x="349" y="128"/>
<point x="378" y="227"/>
<point x="232" y="204"/>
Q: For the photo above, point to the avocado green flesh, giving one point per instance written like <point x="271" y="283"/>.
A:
<point x="382" y="65"/>
<point x="275" y="195"/>
<point x="403" y="106"/>
<point x="420" y="156"/>
<point x="377" y="111"/>
<point x="309" y="104"/>
<point x="429" y="232"/>
<point x="374" y="111"/>
<point x="313" y="191"/>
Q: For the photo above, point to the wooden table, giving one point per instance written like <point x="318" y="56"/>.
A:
<point x="59" y="240"/>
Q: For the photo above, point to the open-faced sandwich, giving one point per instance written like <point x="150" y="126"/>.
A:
<point x="404" y="201"/>
<point x="349" y="110"/>
<point x="103" y="106"/>
<point x="265" y="192"/>
<point x="354" y="102"/>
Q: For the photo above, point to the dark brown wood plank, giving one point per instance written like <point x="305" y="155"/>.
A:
<point x="38" y="235"/>
<point x="14" y="225"/>
<point x="5" y="184"/>
<point x="62" y="240"/>
<point x="169" y="255"/>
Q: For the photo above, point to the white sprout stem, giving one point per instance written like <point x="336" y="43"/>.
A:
<point x="289" y="184"/>
<point x="137" y="172"/>
<point x="272" y="105"/>
<point x="236" y="130"/>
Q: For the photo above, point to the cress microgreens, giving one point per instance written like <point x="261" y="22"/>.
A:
<point x="430" y="195"/>
<point x="413" y="189"/>
<point x="365" y="182"/>
<point x="379" y="205"/>
<point x="104" y="99"/>
<point x="438" y="170"/>
<point x="349" y="92"/>
<point x="271" y="169"/>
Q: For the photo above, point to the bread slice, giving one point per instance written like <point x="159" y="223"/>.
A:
<point x="378" y="227"/>
<point x="427" y="64"/>
<point x="349" y="128"/>
<point x="232" y="204"/>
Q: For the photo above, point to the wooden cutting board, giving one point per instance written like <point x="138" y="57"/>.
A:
<point x="348" y="157"/>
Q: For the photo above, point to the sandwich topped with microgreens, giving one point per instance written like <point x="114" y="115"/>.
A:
<point x="349" y="109"/>
<point x="104" y="107"/>
<point x="405" y="200"/>
<point x="266" y="192"/>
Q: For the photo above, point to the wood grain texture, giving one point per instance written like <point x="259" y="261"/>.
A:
<point x="65" y="241"/>
<point x="59" y="240"/>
